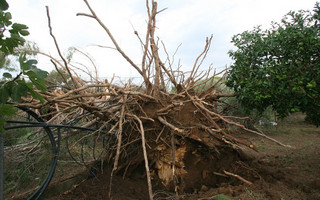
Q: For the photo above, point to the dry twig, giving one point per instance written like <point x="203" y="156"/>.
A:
<point x="238" y="177"/>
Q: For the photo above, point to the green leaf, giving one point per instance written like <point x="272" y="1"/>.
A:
<point x="17" y="39"/>
<point x="36" y="95"/>
<point x="18" y="91"/>
<point x="33" y="93"/>
<point x="312" y="84"/>
<point x="22" y="59"/>
<point x="7" y="75"/>
<point x="41" y="73"/>
<point x="2" y="123"/>
<point x="24" y="33"/>
<point x="31" y="74"/>
<point x="7" y="110"/>
<point x="19" y="26"/>
<point x="3" y="5"/>
<point x="40" y="84"/>
<point x="31" y="63"/>
<point x="4" y="94"/>
<point x="7" y="16"/>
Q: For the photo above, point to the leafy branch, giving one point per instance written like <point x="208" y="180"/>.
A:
<point x="12" y="88"/>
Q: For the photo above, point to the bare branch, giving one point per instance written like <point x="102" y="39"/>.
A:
<point x="154" y="48"/>
<point x="119" y="138"/>
<point x="114" y="41"/>
<point x="145" y="155"/>
<point x="163" y="121"/>
<point x="202" y="56"/>
<point x="238" y="177"/>
<point x="58" y="49"/>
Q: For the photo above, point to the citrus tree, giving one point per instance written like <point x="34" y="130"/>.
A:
<point x="19" y="83"/>
<point x="280" y="67"/>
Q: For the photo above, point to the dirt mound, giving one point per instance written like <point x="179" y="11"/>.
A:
<point x="204" y="170"/>
<point x="276" y="172"/>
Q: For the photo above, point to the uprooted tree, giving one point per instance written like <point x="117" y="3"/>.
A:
<point x="148" y="124"/>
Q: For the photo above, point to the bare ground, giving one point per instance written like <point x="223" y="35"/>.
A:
<point x="276" y="172"/>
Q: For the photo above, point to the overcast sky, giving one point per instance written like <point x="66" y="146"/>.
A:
<point x="186" y="22"/>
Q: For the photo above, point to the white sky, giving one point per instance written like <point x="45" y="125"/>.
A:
<point x="186" y="22"/>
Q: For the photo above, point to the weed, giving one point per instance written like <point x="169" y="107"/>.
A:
<point x="262" y="147"/>
<point x="221" y="197"/>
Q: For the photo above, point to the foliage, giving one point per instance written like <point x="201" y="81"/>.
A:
<point x="231" y="107"/>
<point x="3" y="5"/>
<point x="205" y="84"/>
<point x="221" y="197"/>
<point x="280" y="67"/>
<point x="55" y="78"/>
<point x="14" y="87"/>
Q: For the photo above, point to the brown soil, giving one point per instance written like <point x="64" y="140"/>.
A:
<point x="276" y="172"/>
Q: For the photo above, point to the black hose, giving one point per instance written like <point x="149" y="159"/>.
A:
<point x="55" y="149"/>
<point x="43" y="124"/>
<point x="54" y="144"/>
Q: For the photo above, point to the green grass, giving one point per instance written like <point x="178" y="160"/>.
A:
<point x="221" y="197"/>
<point x="262" y="147"/>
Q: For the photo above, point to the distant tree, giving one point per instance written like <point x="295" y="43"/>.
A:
<point x="280" y="67"/>
<point x="20" y="83"/>
<point x="55" y="78"/>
